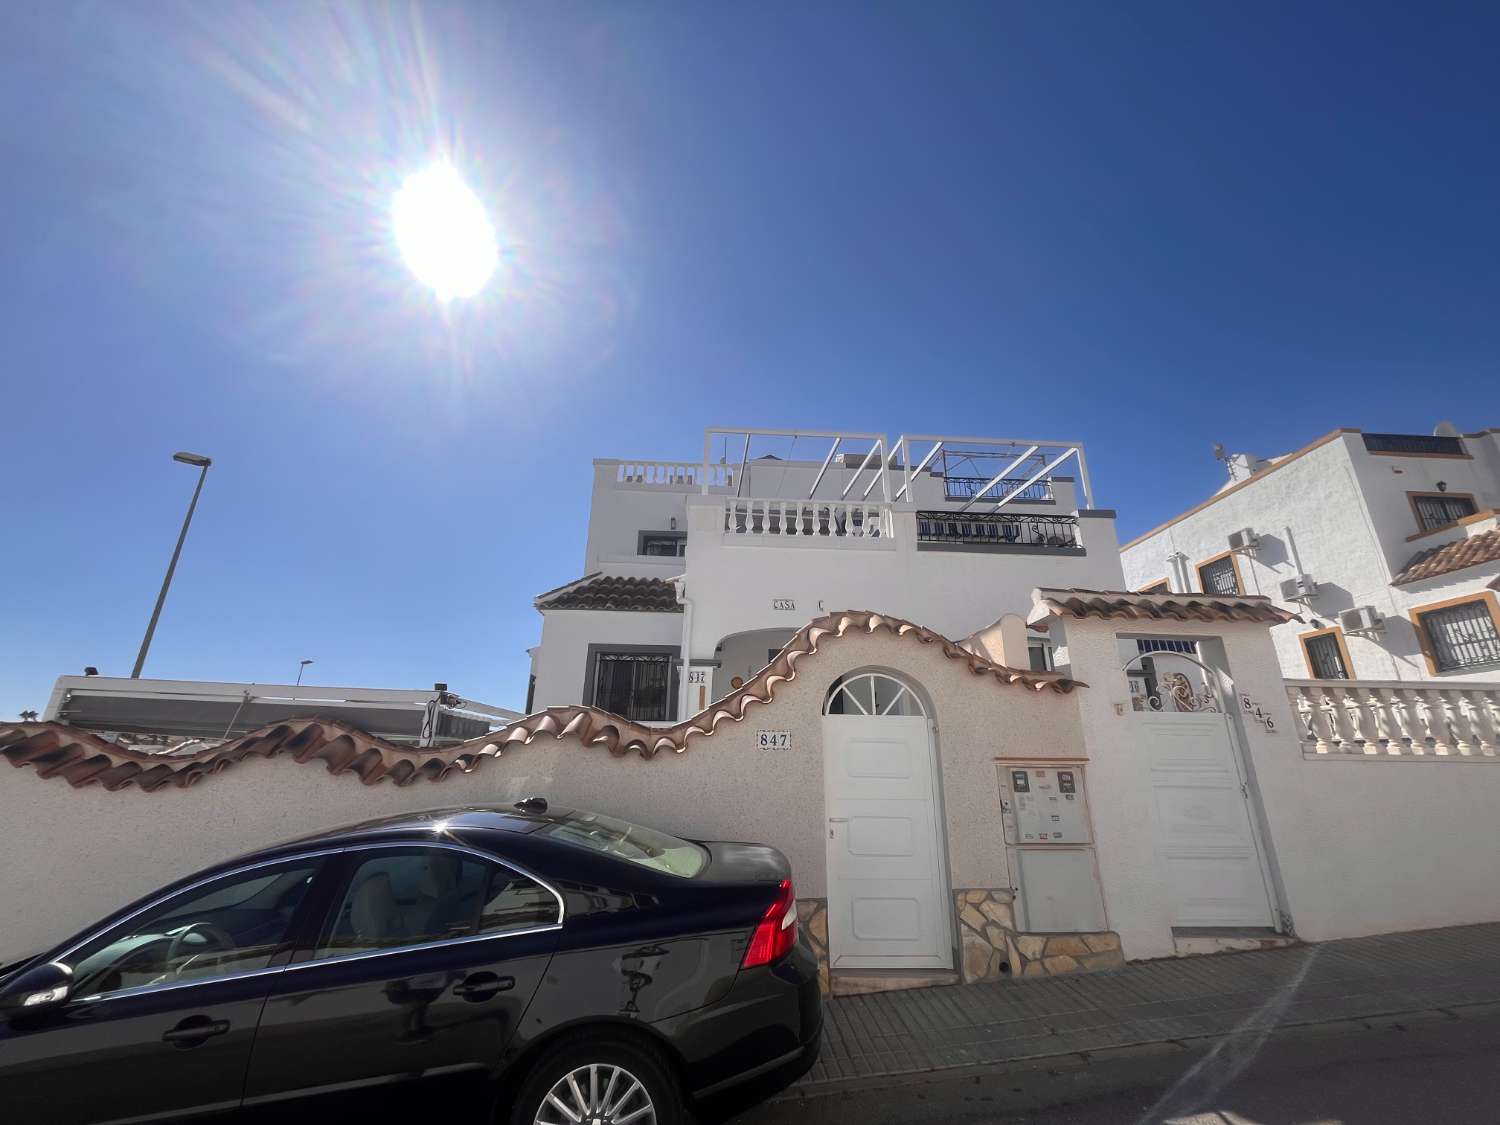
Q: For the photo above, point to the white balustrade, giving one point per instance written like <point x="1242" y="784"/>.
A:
<point x="671" y="474"/>
<point x="824" y="522"/>
<point x="1397" y="718"/>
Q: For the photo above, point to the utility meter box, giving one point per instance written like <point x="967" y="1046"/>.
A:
<point x="1045" y="815"/>
<point x="1044" y="804"/>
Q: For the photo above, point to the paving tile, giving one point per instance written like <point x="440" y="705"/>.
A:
<point x="899" y="1032"/>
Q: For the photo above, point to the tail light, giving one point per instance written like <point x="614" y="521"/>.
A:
<point x="776" y="932"/>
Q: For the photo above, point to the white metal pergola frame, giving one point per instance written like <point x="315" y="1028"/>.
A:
<point x="880" y="456"/>
<point x="874" y="457"/>
<point x="1063" y="450"/>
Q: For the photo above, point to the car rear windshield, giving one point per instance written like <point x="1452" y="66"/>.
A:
<point x="623" y="840"/>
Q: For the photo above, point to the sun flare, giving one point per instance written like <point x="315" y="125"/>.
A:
<point x="443" y="233"/>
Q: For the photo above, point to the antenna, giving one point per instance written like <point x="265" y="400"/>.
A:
<point x="1219" y="453"/>
<point x="1445" y="429"/>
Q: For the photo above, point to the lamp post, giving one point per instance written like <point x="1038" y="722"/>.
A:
<point x="202" y="462"/>
<point x="302" y="668"/>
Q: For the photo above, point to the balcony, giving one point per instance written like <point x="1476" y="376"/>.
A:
<point x="1397" y="718"/>
<point x="823" y="523"/>
<point x="979" y="529"/>
<point x="672" y="476"/>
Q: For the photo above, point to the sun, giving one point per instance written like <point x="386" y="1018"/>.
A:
<point x="443" y="233"/>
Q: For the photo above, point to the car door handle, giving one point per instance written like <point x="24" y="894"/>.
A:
<point x="481" y="986"/>
<point x="194" y="1030"/>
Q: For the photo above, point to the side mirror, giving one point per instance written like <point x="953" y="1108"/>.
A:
<point x="36" y="989"/>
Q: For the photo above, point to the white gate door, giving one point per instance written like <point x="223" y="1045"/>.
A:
<point x="1204" y="834"/>
<point x="887" y="906"/>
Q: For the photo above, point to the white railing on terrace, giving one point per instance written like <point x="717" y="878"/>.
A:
<point x="821" y="521"/>
<point x="1397" y="718"/>
<point x="672" y="474"/>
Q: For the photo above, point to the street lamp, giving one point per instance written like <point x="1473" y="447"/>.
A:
<point x="201" y="462"/>
<point x="300" y="670"/>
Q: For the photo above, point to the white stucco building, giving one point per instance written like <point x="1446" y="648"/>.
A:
<point x="695" y="574"/>
<point x="1386" y="545"/>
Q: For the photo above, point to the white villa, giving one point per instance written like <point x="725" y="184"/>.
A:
<point x="1386" y="546"/>
<point x="915" y="669"/>
<point x="696" y="574"/>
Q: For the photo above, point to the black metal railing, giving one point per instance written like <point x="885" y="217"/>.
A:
<point x="962" y="488"/>
<point x="1059" y="532"/>
<point x="1413" y="443"/>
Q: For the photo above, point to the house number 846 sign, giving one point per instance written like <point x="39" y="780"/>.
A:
<point x="773" y="740"/>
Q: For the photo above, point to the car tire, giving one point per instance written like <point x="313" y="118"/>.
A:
<point x="624" y="1058"/>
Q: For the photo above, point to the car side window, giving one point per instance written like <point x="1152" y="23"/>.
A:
<point x="419" y="895"/>
<point x="231" y="925"/>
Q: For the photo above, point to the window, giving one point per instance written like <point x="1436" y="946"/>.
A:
<point x="1220" y="575"/>
<point x="1327" y="658"/>
<point x="418" y="895"/>
<point x="1460" y="635"/>
<point x="231" y="925"/>
<point x="1159" y="587"/>
<point x="1438" y="509"/>
<point x="638" y="683"/>
<point x="1040" y="654"/>
<point x="662" y="544"/>
<point x="631" y="842"/>
<point x="871" y="693"/>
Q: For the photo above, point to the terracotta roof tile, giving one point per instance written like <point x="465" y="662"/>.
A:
<point x="1160" y="607"/>
<point x="1449" y="557"/>
<point x="609" y="591"/>
<point x="83" y="758"/>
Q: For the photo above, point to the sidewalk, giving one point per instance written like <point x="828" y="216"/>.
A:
<point x="1151" y="1002"/>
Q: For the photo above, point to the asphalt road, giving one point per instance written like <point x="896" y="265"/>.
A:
<point x="1433" y="1066"/>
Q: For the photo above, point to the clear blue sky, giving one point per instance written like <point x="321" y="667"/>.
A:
<point x="1148" y="227"/>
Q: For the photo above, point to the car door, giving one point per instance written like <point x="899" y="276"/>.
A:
<point x="425" y="963"/>
<point x="163" y="1007"/>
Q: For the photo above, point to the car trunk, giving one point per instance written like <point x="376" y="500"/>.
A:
<point x="731" y="862"/>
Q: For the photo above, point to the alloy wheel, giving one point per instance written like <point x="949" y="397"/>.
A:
<point x="597" y="1094"/>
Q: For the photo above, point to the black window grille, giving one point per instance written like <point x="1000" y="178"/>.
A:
<point x="635" y="685"/>
<point x="1440" y="511"/>
<point x="1326" y="658"/>
<point x="1218" y="577"/>
<point x="1413" y="443"/>
<point x="663" y="545"/>
<point x="1160" y="644"/>
<point x="1462" y="636"/>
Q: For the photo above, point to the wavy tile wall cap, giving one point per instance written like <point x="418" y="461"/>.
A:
<point x="1160" y="607"/>
<point x="84" y="758"/>
<point x="1449" y="557"/>
<point x="612" y="591"/>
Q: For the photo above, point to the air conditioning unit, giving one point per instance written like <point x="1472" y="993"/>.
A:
<point x="1243" y="540"/>
<point x="1298" y="588"/>
<point x="1361" y="619"/>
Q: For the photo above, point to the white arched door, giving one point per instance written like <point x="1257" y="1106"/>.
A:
<point x="887" y="900"/>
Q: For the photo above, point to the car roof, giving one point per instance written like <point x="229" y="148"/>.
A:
<point x="503" y="818"/>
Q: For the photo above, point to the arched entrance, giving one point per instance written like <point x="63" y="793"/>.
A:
<point x="1206" y="836"/>
<point x="887" y="893"/>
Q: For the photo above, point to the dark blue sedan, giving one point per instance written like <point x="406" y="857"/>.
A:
<point x="532" y="965"/>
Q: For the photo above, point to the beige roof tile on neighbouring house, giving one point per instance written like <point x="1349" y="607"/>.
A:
<point x="1450" y="557"/>
<point x="1122" y="604"/>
